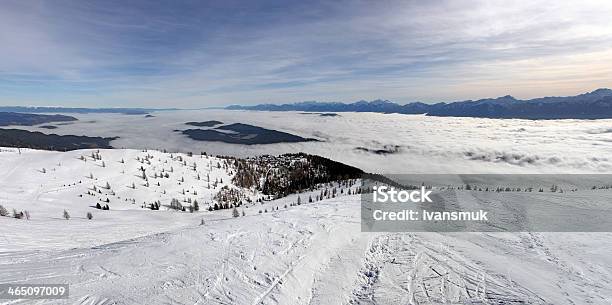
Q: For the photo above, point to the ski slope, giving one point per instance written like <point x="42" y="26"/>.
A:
<point x="313" y="253"/>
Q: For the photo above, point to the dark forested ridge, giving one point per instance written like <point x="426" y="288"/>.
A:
<point x="205" y="123"/>
<point x="39" y="140"/>
<point x="243" y="134"/>
<point x="286" y="174"/>
<point x="30" y="119"/>
<point x="592" y="105"/>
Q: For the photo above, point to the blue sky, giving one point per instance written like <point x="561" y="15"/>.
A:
<point x="210" y="53"/>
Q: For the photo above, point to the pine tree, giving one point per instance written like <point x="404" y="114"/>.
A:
<point x="3" y="211"/>
<point x="196" y="206"/>
<point x="66" y="215"/>
<point x="98" y="206"/>
<point x="235" y="212"/>
<point x="89" y="215"/>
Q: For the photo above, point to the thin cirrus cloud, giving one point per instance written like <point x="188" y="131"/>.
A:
<point x="197" y="54"/>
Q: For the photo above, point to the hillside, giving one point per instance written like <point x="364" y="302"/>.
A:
<point x="105" y="181"/>
<point x="39" y="140"/>
<point x="30" y="119"/>
<point x="304" y="248"/>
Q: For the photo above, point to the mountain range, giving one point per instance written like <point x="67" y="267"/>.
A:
<point x="592" y="105"/>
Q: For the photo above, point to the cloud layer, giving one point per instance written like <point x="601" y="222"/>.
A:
<point x="198" y="54"/>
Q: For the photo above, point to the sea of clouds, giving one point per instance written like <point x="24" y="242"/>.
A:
<point x="421" y="144"/>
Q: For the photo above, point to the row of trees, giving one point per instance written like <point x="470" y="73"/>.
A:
<point x="66" y="215"/>
<point x="175" y="204"/>
<point x="26" y="214"/>
<point x="16" y="214"/>
<point x="102" y="207"/>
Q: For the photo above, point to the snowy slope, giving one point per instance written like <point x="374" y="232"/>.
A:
<point x="313" y="253"/>
<point x="47" y="183"/>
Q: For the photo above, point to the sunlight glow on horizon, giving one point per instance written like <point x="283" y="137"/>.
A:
<point x="200" y="54"/>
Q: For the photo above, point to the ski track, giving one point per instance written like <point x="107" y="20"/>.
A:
<point x="314" y="253"/>
<point x="321" y="262"/>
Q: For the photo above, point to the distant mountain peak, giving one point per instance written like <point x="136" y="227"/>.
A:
<point x="601" y="91"/>
<point x="591" y="105"/>
<point x="381" y="102"/>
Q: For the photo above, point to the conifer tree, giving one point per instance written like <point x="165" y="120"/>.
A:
<point x="3" y="211"/>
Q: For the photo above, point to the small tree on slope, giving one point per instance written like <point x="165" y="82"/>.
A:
<point x="3" y="211"/>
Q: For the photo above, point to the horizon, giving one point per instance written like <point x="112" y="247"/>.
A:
<point x="300" y="102"/>
<point x="209" y="54"/>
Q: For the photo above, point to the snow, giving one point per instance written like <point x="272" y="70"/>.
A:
<point x="314" y="253"/>
<point x="66" y="182"/>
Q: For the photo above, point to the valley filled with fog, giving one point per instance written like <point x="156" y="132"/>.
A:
<point x="381" y="143"/>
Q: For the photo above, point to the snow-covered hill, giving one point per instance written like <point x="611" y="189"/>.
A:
<point x="312" y="253"/>
<point x="145" y="192"/>
<point x="47" y="183"/>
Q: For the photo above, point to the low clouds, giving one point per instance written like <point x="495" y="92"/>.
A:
<point x="195" y="54"/>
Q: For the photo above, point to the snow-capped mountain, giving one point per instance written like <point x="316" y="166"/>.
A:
<point x="592" y="105"/>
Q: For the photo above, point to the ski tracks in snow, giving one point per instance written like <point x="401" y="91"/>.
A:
<point x="402" y="268"/>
